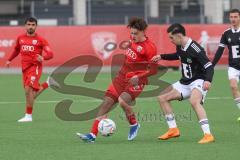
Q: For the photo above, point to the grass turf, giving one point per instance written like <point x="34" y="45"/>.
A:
<point x="50" y="138"/>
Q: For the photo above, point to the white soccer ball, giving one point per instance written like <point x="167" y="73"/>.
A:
<point x="106" y="127"/>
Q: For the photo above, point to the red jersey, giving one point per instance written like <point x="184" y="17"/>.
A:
<point x="138" y="57"/>
<point x="137" y="62"/>
<point x="30" y="47"/>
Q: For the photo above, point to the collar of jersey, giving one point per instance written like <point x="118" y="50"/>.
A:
<point x="31" y="36"/>
<point x="233" y="30"/>
<point x="187" y="45"/>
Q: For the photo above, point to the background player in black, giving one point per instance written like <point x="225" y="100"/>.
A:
<point x="231" y="39"/>
<point x="197" y="73"/>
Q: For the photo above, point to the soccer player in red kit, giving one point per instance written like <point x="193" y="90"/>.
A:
<point x="130" y="80"/>
<point x="31" y="47"/>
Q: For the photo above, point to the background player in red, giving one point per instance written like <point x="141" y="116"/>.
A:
<point x="130" y="80"/>
<point x="31" y="46"/>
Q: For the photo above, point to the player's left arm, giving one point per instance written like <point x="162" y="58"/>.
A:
<point x="152" y="67"/>
<point x="134" y="77"/>
<point x="202" y="58"/>
<point x="48" y="54"/>
<point x="151" y="70"/>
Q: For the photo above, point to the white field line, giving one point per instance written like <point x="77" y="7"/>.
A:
<point x="97" y="100"/>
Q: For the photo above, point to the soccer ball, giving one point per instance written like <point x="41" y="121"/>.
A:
<point x="106" y="127"/>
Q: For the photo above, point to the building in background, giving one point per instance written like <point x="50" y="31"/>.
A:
<point x="94" y="12"/>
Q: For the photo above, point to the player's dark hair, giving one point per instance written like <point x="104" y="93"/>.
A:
<point x="30" y="19"/>
<point x="234" y="11"/>
<point x="137" y="23"/>
<point x="176" y="28"/>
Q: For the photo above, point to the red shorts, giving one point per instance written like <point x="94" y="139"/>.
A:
<point x="31" y="77"/>
<point x="120" y="85"/>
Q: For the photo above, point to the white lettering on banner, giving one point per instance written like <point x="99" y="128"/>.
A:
<point x="6" y="42"/>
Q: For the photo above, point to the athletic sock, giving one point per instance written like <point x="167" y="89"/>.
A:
<point x="171" y="120"/>
<point x="94" y="130"/>
<point x="132" y="119"/>
<point x="205" y="126"/>
<point x="45" y="85"/>
<point x="29" y="110"/>
<point x="237" y="101"/>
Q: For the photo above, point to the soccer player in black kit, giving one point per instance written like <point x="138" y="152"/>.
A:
<point x="197" y="73"/>
<point x="231" y="39"/>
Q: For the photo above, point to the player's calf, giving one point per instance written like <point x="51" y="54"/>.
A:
<point x="124" y="101"/>
<point x="29" y="93"/>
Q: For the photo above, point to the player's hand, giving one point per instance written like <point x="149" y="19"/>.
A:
<point x="206" y="85"/>
<point x="125" y="44"/>
<point x="39" y="58"/>
<point x="8" y="64"/>
<point x="134" y="80"/>
<point x="156" y="58"/>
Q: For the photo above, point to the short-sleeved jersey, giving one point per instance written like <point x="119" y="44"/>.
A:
<point x="138" y="56"/>
<point x="29" y="47"/>
<point x="194" y="62"/>
<point x="231" y="39"/>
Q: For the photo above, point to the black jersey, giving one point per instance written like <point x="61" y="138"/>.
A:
<point x="231" y="39"/>
<point x="194" y="62"/>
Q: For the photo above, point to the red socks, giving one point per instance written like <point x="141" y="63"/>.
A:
<point x="95" y="127"/>
<point x="44" y="85"/>
<point x="29" y="109"/>
<point x="132" y="119"/>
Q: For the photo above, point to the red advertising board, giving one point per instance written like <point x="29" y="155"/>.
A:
<point x="68" y="42"/>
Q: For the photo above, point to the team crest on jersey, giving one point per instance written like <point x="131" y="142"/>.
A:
<point x="229" y="40"/>
<point x="189" y="60"/>
<point x="139" y="48"/>
<point x="34" y="41"/>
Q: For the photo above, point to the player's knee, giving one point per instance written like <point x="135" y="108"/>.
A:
<point x="162" y="98"/>
<point x="122" y="103"/>
<point x="107" y="105"/>
<point x="233" y="86"/>
<point x="108" y="102"/>
<point x="194" y="102"/>
<point x="27" y="92"/>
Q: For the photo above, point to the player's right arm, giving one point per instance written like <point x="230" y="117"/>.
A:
<point x="14" y="54"/>
<point x="220" y="49"/>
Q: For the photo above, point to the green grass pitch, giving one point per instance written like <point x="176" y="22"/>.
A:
<point x="49" y="138"/>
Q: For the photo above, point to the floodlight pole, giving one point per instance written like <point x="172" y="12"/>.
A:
<point x="89" y="15"/>
<point x="22" y="6"/>
<point x="146" y="10"/>
<point x="32" y="9"/>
